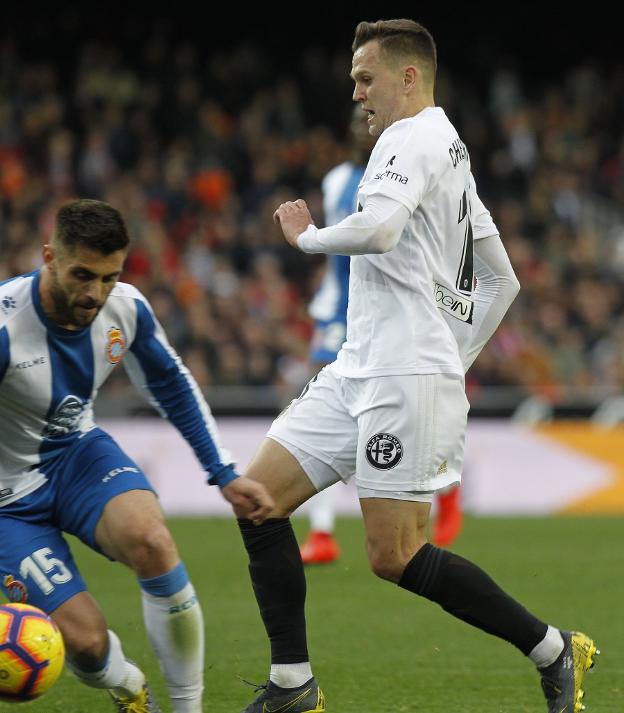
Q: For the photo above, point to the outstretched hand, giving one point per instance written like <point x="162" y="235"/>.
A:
<point x="249" y="499"/>
<point x="293" y="217"/>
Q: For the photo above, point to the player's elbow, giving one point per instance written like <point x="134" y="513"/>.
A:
<point x="383" y="241"/>
<point x="508" y="289"/>
<point x="513" y="287"/>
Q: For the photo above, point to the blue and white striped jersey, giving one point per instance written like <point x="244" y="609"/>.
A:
<point x="50" y="377"/>
<point x="340" y="187"/>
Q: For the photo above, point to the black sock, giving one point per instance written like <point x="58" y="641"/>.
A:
<point x="467" y="592"/>
<point x="279" y="585"/>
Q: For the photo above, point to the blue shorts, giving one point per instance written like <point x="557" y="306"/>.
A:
<point x="36" y="564"/>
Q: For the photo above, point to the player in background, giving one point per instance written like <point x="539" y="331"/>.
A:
<point x="63" y="329"/>
<point x="329" y="310"/>
<point x="391" y="411"/>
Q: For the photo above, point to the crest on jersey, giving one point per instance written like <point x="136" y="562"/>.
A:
<point x="16" y="590"/>
<point x="7" y="303"/>
<point x="115" y="346"/>
<point x="384" y="451"/>
<point x="66" y="417"/>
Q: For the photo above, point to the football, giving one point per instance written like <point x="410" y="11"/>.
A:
<point x="32" y="652"/>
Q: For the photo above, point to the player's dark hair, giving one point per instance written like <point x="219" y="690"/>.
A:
<point x="400" y="38"/>
<point x="92" y="224"/>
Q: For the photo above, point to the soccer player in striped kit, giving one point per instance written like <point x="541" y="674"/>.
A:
<point x="63" y="329"/>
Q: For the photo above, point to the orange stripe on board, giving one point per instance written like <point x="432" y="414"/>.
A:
<point x="605" y="445"/>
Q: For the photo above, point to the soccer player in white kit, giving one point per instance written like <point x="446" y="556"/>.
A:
<point x="392" y="409"/>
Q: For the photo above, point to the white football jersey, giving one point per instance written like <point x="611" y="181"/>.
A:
<point x="410" y="309"/>
<point x="50" y="376"/>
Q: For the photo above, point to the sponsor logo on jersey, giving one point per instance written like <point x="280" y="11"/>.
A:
<point x="443" y="469"/>
<point x="450" y="302"/>
<point x="7" y="303"/>
<point x="16" y="590"/>
<point x="35" y="361"/>
<point x="391" y="161"/>
<point x="115" y="346"/>
<point x="117" y="471"/>
<point x="392" y="175"/>
<point x="384" y="451"/>
<point x="65" y="418"/>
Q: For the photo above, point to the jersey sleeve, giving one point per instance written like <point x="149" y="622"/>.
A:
<point x="483" y="225"/>
<point x="405" y="165"/>
<point x="153" y="365"/>
<point x="5" y="354"/>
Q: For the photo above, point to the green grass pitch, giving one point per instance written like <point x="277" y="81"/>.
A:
<point x="375" y="648"/>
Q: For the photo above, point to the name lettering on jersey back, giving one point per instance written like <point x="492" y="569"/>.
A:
<point x="31" y="362"/>
<point x="458" y="152"/>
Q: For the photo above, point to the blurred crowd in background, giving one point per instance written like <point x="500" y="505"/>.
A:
<point x="197" y="150"/>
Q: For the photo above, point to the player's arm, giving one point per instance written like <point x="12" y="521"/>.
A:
<point x="153" y="365"/>
<point x="375" y="229"/>
<point x="497" y="287"/>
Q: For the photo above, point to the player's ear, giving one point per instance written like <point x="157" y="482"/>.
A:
<point x="48" y="255"/>
<point x="411" y="76"/>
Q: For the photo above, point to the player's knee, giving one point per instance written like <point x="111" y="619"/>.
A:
<point x="389" y="560"/>
<point x="150" y="545"/>
<point x="385" y="564"/>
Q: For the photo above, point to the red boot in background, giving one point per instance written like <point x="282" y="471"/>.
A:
<point x="449" y="520"/>
<point x="319" y="548"/>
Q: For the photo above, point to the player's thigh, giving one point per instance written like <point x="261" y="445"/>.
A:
<point x="36" y="564"/>
<point x="310" y="446"/>
<point x="411" y="433"/>
<point x="282" y="474"/>
<point x="102" y="496"/>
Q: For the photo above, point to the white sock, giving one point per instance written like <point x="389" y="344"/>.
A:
<point x="548" y="649"/>
<point x="118" y="674"/>
<point x="290" y="675"/>
<point x="175" y="627"/>
<point x="323" y="510"/>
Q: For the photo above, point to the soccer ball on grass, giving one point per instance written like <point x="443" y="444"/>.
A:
<point x="32" y="652"/>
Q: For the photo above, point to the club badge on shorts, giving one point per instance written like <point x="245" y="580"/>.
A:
<point x="384" y="451"/>
<point x="16" y="590"/>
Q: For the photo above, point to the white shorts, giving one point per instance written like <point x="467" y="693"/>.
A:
<point x="402" y="436"/>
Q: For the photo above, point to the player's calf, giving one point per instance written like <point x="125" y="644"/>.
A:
<point x="113" y="672"/>
<point x="84" y="630"/>
<point x="175" y="626"/>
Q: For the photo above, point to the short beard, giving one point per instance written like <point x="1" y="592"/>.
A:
<point x="63" y="313"/>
